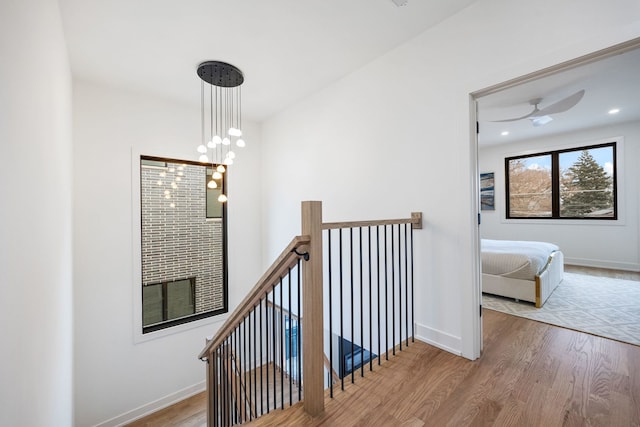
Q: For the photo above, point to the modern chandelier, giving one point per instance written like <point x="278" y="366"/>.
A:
<point x="221" y="127"/>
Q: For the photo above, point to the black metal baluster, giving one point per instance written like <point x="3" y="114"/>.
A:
<point x="255" y="362"/>
<point x="223" y="385"/>
<point x="266" y="336"/>
<point x="282" y="338"/>
<point x="225" y="402"/>
<point x="361" y="309"/>
<point x="330" y="262"/>
<point x="393" y="293"/>
<point x="236" y="375"/>
<point x="399" y="287"/>
<point x="378" y="283"/>
<point x="342" y="365"/>
<point x="290" y="344"/>
<point x="386" y="296"/>
<point x="244" y="367"/>
<point x="248" y="365"/>
<point x="406" y="286"/>
<point x="299" y="334"/>
<point x="351" y="283"/>
<point x="370" y="309"/>
<point x="262" y="334"/>
<point x="275" y="380"/>
<point x="214" y="384"/>
<point x="413" y="335"/>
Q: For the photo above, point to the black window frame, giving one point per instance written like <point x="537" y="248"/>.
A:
<point x="225" y="263"/>
<point x="165" y="322"/>
<point x="555" y="183"/>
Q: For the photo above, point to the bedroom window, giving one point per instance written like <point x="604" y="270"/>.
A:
<point x="576" y="183"/>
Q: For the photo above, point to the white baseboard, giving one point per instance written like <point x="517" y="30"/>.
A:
<point x="442" y="340"/>
<point x="582" y="262"/>
<point x="154" y="406"/>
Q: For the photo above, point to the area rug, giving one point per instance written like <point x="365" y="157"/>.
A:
<point x="600" y="306"/>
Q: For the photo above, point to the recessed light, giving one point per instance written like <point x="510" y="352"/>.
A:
<point x="614" y="111"/>
<point x="505" y="133"/>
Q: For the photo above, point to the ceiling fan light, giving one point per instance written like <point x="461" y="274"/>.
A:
<point x="540" y="121"/>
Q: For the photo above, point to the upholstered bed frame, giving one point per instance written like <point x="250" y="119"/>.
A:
<point x="536" y="291"/>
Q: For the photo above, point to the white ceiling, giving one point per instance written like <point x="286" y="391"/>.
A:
<point x="287" y="49"/>
<point x="609" y="83"/>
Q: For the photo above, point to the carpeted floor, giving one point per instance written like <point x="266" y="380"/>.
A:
<point x="597" y="305"/>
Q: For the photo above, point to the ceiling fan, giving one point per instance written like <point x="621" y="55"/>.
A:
<point x="541" y="117"/>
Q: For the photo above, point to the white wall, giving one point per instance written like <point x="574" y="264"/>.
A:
<point x="35" y="217"/>
<point x="612" y="244"/>
<point x="116" y="379"/>
<point x="394" y="137"/>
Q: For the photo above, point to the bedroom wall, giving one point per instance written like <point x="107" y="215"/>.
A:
<point x="394" y="137"/>
<point x="116" y="378"/>
<point x="610" y="244"/>
<point x="35" y="217"/>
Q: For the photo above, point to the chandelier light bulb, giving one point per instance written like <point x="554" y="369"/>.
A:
<point x="166" y="192"/>
<point x="163" y="174"/>
<point x="216" y="140"/>
<point x="202" y="149"/>
<point x="172" y="170"/>
<point x="226" y="141"/>
<point x="159" y="182"/>
<point x="173" y="205"/>
<point x="211" y="144"/>
<point x="174" y="185"/>
<point x="212" y="184"/>
<point x="203" y="158"/>
<point x="235" y="132"/>
<point x="231" y="155"/>
<point x="167" y="196"/>
<point x="178" y="178"/>
<point x="221" y="168"/>
<point x="228" y="161"/>
<point x="222" y="198"/>
<point x="216" y="175"/>
<point x="240" y="143"/>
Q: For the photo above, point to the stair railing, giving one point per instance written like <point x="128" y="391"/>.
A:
<point x="250" y="369"/>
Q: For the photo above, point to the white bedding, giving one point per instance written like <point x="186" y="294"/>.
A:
<point x="515" y="259"/>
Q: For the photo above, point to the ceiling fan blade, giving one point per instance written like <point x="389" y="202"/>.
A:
<point x="562" y="105"/>
<point x="531" y="114"/>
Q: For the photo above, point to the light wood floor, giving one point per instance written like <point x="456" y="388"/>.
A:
<point x="530" y="374"/>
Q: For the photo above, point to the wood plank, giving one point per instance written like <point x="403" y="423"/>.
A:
<point x="371" y="223"/>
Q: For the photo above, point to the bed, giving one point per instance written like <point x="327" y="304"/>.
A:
<point x="523" y="270"/>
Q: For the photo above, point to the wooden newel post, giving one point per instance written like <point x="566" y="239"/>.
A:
<point x="312" y="322"/>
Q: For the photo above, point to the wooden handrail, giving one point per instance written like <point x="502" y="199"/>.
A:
<point x="415" y="221"/>
<point x="287" y="259"/>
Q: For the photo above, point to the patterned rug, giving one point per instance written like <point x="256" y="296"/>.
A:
<point x="600" y="306"/>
